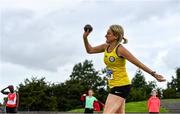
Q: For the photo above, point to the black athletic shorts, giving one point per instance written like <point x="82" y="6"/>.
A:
<point x="122" y="91"/>
<point x="11" y="110"/>
<point x="88" y="110"/>
<point x="153" y="112"/>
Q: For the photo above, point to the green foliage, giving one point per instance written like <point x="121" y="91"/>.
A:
<point x="173" y="87"/>
<point x="139" y="80"/>
<point x="178" y="79"/>
<point x="39" y="95"/>
<point x="169" y="93"/>
<point x="140" y="88"/>
<point x="87" y="75"/>
<point x="84" y="77"/>
<point x="35" y="95"/>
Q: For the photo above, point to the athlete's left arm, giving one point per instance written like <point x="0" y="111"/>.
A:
<point x="126" y="54"/>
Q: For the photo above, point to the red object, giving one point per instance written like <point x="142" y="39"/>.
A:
<point x="12" y="98"/>
<point x="96" y="106"/>
<point x="154" y="104"/>
<point x="83" y="98"/>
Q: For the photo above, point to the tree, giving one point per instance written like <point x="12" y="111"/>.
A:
<point x="35" y="95"/>
<point x="173" y="87"/>
<point x="178" y="79"/>
<point x="87" y="75"/>
<point x="150" y="86"/>
<point x="140" y="88"/>
<point x="83" y="77"/>
<point x="139" y="81"/>
<point x="39" y="95"/>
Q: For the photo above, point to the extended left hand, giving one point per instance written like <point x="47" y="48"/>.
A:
<point x="159" y="78"/>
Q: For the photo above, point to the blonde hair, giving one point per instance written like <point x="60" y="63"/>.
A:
<point x="118" y="31"/>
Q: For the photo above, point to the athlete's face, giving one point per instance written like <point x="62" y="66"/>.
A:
<point x="11" y="89"/>
<point x="90" y="93"/>
<point x="154" y="93"/>
<point x="110" y="37"/>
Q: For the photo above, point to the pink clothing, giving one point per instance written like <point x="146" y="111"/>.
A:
<point x="154" y="104"/>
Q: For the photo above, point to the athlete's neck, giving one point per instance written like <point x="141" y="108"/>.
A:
<point x="113" y="45"/>
<point x="90" y="96"/>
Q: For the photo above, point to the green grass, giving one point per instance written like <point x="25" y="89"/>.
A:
<point x="77" y="110"/>
<point x="140" y="106"/>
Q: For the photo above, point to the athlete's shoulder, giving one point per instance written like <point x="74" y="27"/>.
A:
<point x="150" y="97"/>
<point x="94" y="98"/>
<point x="122" y="48"/>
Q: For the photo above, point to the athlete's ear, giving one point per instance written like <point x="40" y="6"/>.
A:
<point x="116" y="37"/>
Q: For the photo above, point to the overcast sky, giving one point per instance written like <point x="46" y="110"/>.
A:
<point x="43" y="38"/>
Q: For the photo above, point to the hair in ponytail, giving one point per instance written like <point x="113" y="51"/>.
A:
<point x="119" y="32"/>
<point x="125" y="40"/>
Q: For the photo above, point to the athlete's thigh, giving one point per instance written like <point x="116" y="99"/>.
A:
<point x="121" y="110"/>
<point x="113" y="103"/>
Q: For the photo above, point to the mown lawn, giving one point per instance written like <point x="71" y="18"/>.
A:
<point x="140" y="106"/>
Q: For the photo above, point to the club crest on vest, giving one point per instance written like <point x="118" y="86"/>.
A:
<point x="111" y="59"/>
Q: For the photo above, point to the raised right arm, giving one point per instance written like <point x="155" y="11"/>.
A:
<point x="4" y="92"/>
<point x="89" y="48"/>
